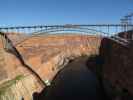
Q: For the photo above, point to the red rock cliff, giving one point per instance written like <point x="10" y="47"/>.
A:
<point x="48" y="54"/>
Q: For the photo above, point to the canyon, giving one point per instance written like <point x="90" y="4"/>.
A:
<point x="31" y="63"/>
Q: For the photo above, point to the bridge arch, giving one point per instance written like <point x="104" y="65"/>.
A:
<point x="71" y="29"/>
<point x="78" y="30"/>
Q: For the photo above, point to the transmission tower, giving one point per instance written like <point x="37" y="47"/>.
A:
<point x="126" y="21"/>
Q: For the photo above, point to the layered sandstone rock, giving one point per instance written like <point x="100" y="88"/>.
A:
<point x="16" y="37"/>
<point x="16" y="80"/>
<point x="48" y="54"/>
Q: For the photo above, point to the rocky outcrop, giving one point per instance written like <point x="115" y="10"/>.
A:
<point x="16" y="80"/>
<point x="19" y="88"/>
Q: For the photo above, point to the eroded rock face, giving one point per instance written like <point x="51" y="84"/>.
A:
<point x="16" y="80"/>
<point x="48" y="54"/>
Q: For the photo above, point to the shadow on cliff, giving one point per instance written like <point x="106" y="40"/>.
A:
<point x="78" y="80"/>
<point x="81" y="79"/>
<point x="107" y="59"/>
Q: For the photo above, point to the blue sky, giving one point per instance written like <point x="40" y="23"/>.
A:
<point x="34" y="12"/>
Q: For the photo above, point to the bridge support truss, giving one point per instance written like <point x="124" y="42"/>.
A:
<point x="94" y="29"/>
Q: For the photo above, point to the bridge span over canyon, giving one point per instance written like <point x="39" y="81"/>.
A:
<point x="31" y="56"/>
<point x="103" y="30"/>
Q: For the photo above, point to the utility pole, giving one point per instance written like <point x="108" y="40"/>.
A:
<point x="126" y="21"/>
<point x="124" y="24"/>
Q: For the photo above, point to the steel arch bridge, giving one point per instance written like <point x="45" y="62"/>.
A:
<point x="72" y="29"/>
<point x="104" y="30"/>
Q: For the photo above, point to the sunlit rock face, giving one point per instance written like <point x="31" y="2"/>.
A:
<point x="47" y="54"/>
<point x="16" y="37"/>
<point x="16" y="80"/>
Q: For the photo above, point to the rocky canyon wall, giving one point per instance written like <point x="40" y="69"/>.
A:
<point x="117" y="68"/>
<point x="49" y="54"/>
<point x="45" y="55"/>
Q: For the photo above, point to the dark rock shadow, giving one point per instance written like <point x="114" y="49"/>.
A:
<point x="75" y="81"/>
